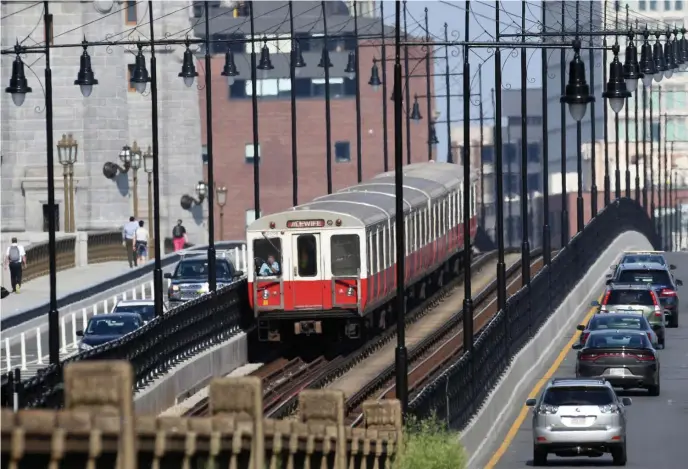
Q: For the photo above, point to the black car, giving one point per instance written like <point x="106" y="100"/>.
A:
<point x="104" y="328"/>
<point x="625" y="358"/>
<point x="661" y="280"/>
<point x="190" y="277"/>
<point x="636" y="322"/>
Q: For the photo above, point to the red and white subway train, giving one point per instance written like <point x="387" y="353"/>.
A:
<point x="329" y="266"/>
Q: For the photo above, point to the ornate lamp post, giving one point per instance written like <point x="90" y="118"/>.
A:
<point x="67" y="149"/>
<point x="221" y="194"/>
<point x="110" y="169"/>
<point x="187" y="201"/>
<point x="148" y="168"/>
<point x="135" y="165"/>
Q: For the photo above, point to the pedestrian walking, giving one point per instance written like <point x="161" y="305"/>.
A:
<point x="15" y="261"/>
<point x="141" y="243"/>
<point x="179" y="238"/>
<point x="128" y="240"/>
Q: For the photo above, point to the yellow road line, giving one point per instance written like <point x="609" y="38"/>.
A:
<point x="534" y="393"/>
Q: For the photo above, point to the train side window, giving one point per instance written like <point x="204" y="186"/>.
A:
<point x="307" y="248"/>
<point x="475" y="199"/>
<point x="418" y="220"/>
<point x="460" y="195"/>
<point x="451" y="209"/>
<point x="369" y="251"/>
<point x="373" y="252"/>
<point x="393" y="247"/>
<point x="406" y="235"/>
<point x="379" y="250"/>
<point x="346" y="255"/>
<point x="263" y="250"/>
<point x="384" y="255"/>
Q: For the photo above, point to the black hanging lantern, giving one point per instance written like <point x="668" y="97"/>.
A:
<point x="85" y="78"/>
<point x="229" y="70"/>
<point x="19" y="86"/>
<point x="577" y="91"/>
<point x="683" y="46"/>
<point x="415" y="111"/>
<point x="432" y="138"/>
<point x="616" y="91"/>
<point x="647" y="62"/>
<point x="265" y="63"/>
<point x="140" y="77"/>
<point x="325" y="59"/>
<point x="188" y="72"/>
<point x="631" y="68"/>
<point x="678" y="52"/>
<point x="660" y="62"/>
<point x="673" y="63"/>
<point x="669" y="57"/>
<point x="350" y="69"/>
<point x="375" y="77"/>
<point x="299" y="63"/>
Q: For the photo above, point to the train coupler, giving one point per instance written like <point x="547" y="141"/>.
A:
<point x="308" y="327"/>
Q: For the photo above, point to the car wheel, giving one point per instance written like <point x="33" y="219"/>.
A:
<point x="619" y="455"/>
<point x="661" y="342"/>
<point x="539" y="456"/>
<point x="654" y="390"/>
<point x="674" y="320"/>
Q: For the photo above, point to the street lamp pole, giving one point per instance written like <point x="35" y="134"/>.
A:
<point x="148" y="169"/>
<point x="212" y="272"/>
<point x="593" y="128"/>
<point x="467" y="294"/>
<point x="564" y="196"/>
<point x="525" y="245"/>
<point x="221" y="192"/>
<point x="135" y="165"/>
<point x="546" y="241"/>
<point x="67" y="149"/>
<point x="499" y="176"/>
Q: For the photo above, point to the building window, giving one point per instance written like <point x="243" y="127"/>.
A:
<point x="667" y="5"/>
<point x="534" y="152"/>
<point x="204" y="153"/>
<point x="678" y="5"/>
<point x="248" y="152"/>
<point x="316" y="42"/>
<point x="342" y="152"/>
<point x="488" y="154"/>
<point x="653" y="5"/>
<point x="510" y="153"/>
<point x="251" y="216"/>
<point x="642" y="5"/>
<point x="130" y="12"/>
<point x="280" y="88"/>
<point x="534" y="120"/>
<point x="655" y="131"/>
<point x="534" y="182"/>
<point x="130" y="72"/>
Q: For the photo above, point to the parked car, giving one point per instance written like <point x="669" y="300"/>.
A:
<point x="660" y="278"/>
<point x="104" y="328"/>
<point x="635" y="322"/>
<point x="579" y="417"/>
<point x="625" y="358"/>
<point x="146" y="308"/>
<point x="190" y="277"/>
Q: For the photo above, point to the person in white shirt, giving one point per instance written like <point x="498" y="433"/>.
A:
<point x="141" y="243"/>
<point x="15" y="261"/>
<point x="128" y="240"/>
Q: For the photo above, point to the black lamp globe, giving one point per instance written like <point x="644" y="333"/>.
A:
<point x="375" y="77"/>
<point x="647" y="62"/>
<point x="660" y="62"/>
<point x="140" y="77"/>
<point x="188" y="72"/>
<point x="577" y="91"/>
<point x="683" y="47"/>
<point x="674" y="54"/>
<point x="432" y="139"/>
<point x="299" y="63"/>
<point x="415" y="111"/>
<point x="350" y="69"/>
<point x="265" y="64"/>
<point x="616" y="91"/>
<point x="669" y="57"/>
<point x="678" y="52"/>
<point x="229" y="70"/>
<point x="631" y="68"/>
<point x="85" y="78"/>
<point x="19" y="86"/>
<point x="325" y="59"/>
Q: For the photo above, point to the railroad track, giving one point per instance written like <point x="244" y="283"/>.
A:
<point x="437" y="350"/>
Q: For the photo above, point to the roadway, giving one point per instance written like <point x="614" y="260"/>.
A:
<point x="657" y="425"/>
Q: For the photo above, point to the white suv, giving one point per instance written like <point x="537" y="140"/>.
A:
<point x="579" y="417"/>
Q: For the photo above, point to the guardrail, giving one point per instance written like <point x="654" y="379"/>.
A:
<point x="28" y="349"/>
<point x="98" y="428"/>
<point x="460" y="390"/>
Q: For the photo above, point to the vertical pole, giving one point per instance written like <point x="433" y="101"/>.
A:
<point x="666" y="180"/>
<point x="150" y="205"/>
<point x="593" y="125"/>
<point x="212" y="272"/>
<point x="546" y="242"/>
<point x="499" y="170"/>
<point x="383" y="61"/>
<point x="525" y="245"/>
<point x="467" y="183"/>
<point x="292" y="79"/>
<point x="407" y="73"/>
<point x="645" y="206"/>
<point x="579" y="145"/>
<point x="400" y="355"/>
<point x="659" y="167"/>
<point x="135" y="190"/>
<point x="481" y="147"/>
<point x="53" y="315"/>
<point x="652" y="165"/>
<point x="254" y="108"/>
<point x="359" y="150"/>
<point x="562" y="116"/>
<point x="72" y="214"/>
<point x="628" y="143"/>
<point x="605" y="110"/>
<point x="637" y="145"/>
<point x="65" y="174"/>
<point x="450" y="157"/>
<point x="428" y="79"/>
<point x="328" y="119"/>
<point x="617" y="163"/>
<point x="157" y="272"/>
<point x="510" y="189"/>
<point x="672" y="202"/>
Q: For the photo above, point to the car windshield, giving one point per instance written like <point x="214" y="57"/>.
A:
<point x="617" y="339"/>
<point x="199" y="268"/>
<point x="614" y="321"/>
<point x="118" y="326"/>
<point x="643" y="259"/>
<point x="147" y="312"/>
<point x="630" y="297"/>
<point x="654" y="277"/>
<point x="578" y="395"/>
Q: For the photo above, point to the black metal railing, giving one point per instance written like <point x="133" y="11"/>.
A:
<point x="460" y="390"/>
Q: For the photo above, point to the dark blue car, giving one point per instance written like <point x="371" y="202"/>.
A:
<point x="104" y="328"/>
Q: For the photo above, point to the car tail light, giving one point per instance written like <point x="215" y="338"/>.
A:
<point x="667" y="292"/>
<point x="548" y="409"/>
<point x="654" y="298"/>
<point x="606" y="297"/>
<point x="589" y="357"/>
<point x="645" y="357"/>
<point x="609" y="409"/>
<point x="584" y="337"/>
<point x="649" y="336"/>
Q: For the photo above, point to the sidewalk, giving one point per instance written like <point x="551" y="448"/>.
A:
<point x="37" y="291"/>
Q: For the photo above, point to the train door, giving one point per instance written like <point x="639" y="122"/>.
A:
<point x="307" y="285"/>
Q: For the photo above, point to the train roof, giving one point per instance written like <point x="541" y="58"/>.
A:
<point x="373" y="201"/>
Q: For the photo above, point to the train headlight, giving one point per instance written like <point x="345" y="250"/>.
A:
<point x="350" y="291"/>
<point x="266" y="294"/>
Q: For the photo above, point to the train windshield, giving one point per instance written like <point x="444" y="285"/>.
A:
<point x="346" y="255"/>
<point x="267" y="254"/>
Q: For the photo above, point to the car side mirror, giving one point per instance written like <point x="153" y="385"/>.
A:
<point x="580" y="327"/>
<point x="679" y="283"/>
<point x="167" y="275"/>
<point x="626" y="401"/>
<point x="531" y="402"/>
<point x="577" y="346"/>
<point x="594" y="303"/>
<point x="79" y="333"/>
<point x="672" y="267"/>
<point x="613" y="267"/>
<point x="608" y="282"/>
<point x="608" y="276"/>
<point x="238" y="273"/>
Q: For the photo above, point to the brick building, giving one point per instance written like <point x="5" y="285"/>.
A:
<point x="232" y="109"/>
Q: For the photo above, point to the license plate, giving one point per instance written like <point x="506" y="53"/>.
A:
<point x="578" y="420"/>
<point x="633" y="311"/>
<point x="617" y="371"/>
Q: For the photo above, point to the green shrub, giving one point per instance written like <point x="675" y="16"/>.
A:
<point x="429" y="445"/>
